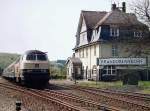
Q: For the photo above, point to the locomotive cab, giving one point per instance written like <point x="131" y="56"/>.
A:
<point x="34" y="67"/>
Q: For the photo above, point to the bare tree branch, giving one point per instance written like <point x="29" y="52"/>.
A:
<point x="142" y="10"/>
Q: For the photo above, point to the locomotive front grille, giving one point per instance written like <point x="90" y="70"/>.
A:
<point x="35" y="65"/>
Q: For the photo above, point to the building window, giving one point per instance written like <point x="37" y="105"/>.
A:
<point x="109" y="70"/>
<point x="86" y="52"/>
<point x="114" y="32"/>
<point x="94" y="50"/>
<point x="83" y="53"/>
<point x="79" y="71"/>
<point x="114" y="50"/>
<point x="80" y="53"/>
<point x="138" y="34"/>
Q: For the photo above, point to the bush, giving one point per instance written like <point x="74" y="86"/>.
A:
<point x="131" y="77"/>
<point x="57" y="77"/>
<point x="109" y="78"/>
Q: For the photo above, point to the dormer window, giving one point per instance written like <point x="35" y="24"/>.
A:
<point x="80" y="53"/>
<point x="138" y="34"/>
<point x="114" y="32"/>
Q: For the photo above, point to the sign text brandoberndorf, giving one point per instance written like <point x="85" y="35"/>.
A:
<point x="122" y="61"/>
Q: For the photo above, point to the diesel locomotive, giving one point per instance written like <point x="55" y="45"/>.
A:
<point x="31" y="67"/>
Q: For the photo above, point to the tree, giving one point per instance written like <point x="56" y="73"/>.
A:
<point x="142" y="10"/>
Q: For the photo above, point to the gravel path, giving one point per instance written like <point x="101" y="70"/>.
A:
<point x="8" y="98"/>
<point x="8" y="104"/>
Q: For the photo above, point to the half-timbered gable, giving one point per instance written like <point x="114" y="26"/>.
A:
<point x="87" y="22"/>
<point x="83" y="34"/>
<point x="96" y="34"/>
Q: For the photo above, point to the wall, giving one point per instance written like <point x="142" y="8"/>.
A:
<point x="69" y="69"/>
<point x="106" y="50"/>
<point x="83" y="34"/>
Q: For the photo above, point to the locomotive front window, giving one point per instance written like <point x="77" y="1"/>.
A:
<point x="41" y="57"/>
<point x="31" y="57"/>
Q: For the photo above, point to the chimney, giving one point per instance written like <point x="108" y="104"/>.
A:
<point x="124" y="7"/>
<point x="113" y="7"/>
<point x="73" y="55"/>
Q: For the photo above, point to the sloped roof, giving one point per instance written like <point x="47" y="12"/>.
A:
<point x="95" y="18"/>
<point x="30" y="52"/>
<point x="92" y="17"/>
<point x="74" y="60"/>
<point x="118" y="17"/>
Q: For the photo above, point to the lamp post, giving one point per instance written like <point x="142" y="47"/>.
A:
<point x="97" y="70"/>
<point x="74" y="74"/>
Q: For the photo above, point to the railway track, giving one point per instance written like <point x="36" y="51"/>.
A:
<point x="62" y="100"/>
<point x="119" y="100"/>
<point x="127" y="93"/>
<point x="137" y="97"/>
<point x="80" y="102"/>
<point x="87" y="99"/>
<point x="61" y="106"/>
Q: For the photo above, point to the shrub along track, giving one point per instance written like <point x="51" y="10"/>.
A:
<point x="122" y="100"/>
<point x="61" y="101"/>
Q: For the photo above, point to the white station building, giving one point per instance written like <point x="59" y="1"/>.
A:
<point x="108" y="43"/>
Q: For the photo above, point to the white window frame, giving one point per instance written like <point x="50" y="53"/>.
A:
<point x="110" y="69"/>
<point x="87" y="52"/>
<point x="114" y="32"/>
<point x="114" y="50"/>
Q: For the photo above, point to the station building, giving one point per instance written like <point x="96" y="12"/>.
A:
<point x="108" y="43"/>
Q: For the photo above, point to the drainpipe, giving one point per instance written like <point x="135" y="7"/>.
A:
<point x="99" y="65"/>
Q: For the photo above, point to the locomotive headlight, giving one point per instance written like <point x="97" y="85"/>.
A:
<point x="43" y="70"/>
<point x="29" y="70"/>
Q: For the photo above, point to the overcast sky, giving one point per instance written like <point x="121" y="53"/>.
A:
<point x="46" y="25"/>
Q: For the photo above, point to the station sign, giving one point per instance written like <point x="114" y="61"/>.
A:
<point x="122" y="61"/>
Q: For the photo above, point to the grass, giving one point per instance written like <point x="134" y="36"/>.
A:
<point x="143" y="87"/>
<point x="116" y="84"/>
